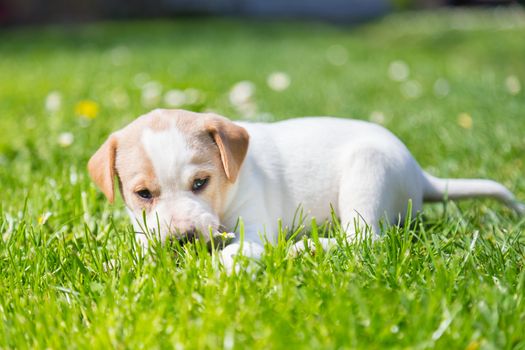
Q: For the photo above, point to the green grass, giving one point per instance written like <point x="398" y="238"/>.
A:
<point x="454" y="279"/>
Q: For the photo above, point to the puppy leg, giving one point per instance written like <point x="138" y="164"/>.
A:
<point x="360" y="211"/>
<point x="360" y="202"/>
<point x="228" y="255"/>
<point x="376" y="184"/>
<point x="310" y="246"/>
<point x="377" y="181"/>
<point x="251" y="247"/>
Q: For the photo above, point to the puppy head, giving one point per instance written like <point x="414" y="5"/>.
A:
<point x="174" y="169"/>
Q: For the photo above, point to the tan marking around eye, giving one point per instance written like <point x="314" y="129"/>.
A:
<point x="132" y="161"/>
<point x="194" y="126"/>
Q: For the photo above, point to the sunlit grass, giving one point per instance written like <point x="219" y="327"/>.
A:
<point x="450" y="85"/>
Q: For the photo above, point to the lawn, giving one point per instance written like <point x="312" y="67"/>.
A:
<point x="449" y="84"/>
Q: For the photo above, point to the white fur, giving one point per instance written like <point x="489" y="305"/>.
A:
<point x="359" y="169"/>
<point x="178" y="209"/>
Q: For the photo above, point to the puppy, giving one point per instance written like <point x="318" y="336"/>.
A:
<point x="195" y="174"/>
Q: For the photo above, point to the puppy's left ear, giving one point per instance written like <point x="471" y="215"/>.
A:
<point x="101" y="167"/>
<point x="232" y="141"/>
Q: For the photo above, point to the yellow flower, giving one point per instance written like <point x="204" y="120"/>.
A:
<point x="87" y="109"/>
<point x="42" y="219"/>
<point x="474" y="345"/>
<point x="465" y="121"/>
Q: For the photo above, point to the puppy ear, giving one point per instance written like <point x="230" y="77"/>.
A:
<point x="232" y="141"/>
<point x="101" y="167"/>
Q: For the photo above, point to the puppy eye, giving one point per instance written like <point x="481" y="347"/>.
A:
<point x="199" y="184"/>
<point x="144" y="194"/>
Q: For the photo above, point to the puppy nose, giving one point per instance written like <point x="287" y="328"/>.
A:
<point x="187" y="236"/>
<point x="190" y="234"/>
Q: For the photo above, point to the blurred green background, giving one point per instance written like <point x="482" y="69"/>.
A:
<point x="448" y="82"/>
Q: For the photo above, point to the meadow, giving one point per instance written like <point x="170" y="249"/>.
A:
<point x="449" y="84"/>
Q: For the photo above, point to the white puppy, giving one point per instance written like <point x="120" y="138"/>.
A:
<point x="197" y="174"/>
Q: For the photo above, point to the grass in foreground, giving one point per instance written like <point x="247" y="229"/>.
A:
<point x="70" y="273"/>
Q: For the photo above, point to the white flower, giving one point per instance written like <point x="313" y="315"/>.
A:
<point x="53" y="101"/>
<point x="119" y="98"/>
<point x="229" y="339"/>
<point x="241" y="92"/>
<point x="227" y="235"/>
<point x="66" y="139"/>
<point x="192" y="96"/>
<point x="441" y="88"/>
<point x="512" y="83"/>
<point x="278" y="81"/>
<point x="151" y="92"/>
<point x="248" y="109"/>
<point x="119" y="55"/>
<point x="411" y="89"/>
<point x="398" y="71"/>
<point x="42" y="219"/>
<point x="377" y="117"/>
<point x="140" y="79"/>
<point x="73" y="176"/>
<point x="175" y="98"/>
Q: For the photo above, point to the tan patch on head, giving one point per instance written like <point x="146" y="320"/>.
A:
<point x="133" y="166"/>
<point x="219" y="141"/>
<point x="193" y="126"/>
<point x="207" y="153"/>
<point x="228" y="138"/>
<point x="219" y="146"/>
<point x="232" y="141"/>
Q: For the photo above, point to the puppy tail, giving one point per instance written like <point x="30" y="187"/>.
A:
<point x="436" y="190"/>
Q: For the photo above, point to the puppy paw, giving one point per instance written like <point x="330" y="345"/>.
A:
<point x="251" y="251"/>
<point x="325" y="244"/>
<point x="228" y="263"/>
<point x="232" y="266"/>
